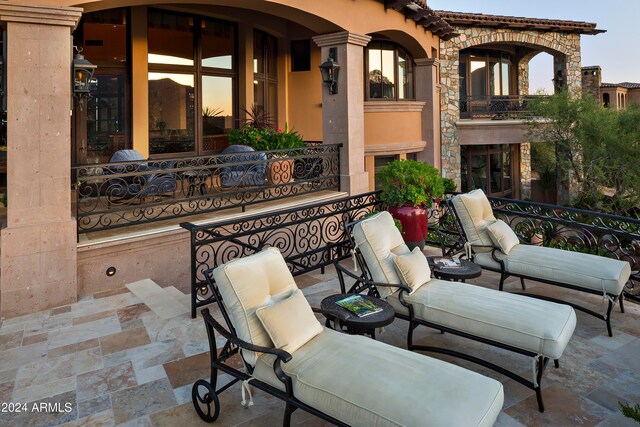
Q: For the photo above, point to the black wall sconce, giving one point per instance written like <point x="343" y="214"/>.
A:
<point x="111" y="271"/>
<point x="330" y="70"/>
<point x="82" y="74"/>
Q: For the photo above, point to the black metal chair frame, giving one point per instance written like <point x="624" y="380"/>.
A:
<point x="205" y="393"/>
<point x="505" y="274"/>
<point x="365" y="283"/>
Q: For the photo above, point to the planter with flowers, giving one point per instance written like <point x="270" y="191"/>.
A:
<point x="264" y="139"/>
<point x="409" y="188"/>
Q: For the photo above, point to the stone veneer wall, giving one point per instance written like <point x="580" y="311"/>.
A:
<point x="562" y="45"/>
<point x="525" y="170"/>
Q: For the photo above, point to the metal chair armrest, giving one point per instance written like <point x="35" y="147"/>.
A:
<point x="349" y="273"/>
<point x="280" y="354"/>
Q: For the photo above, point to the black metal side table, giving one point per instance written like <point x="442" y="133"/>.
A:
<point x="341" y="317"/>
<point x="466" y="270"/>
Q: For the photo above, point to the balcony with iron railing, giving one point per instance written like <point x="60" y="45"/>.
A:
<point x="114" y="195"/>
<point x="510" y="107"/>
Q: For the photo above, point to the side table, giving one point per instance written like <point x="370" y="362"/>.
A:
<point x="467" y="270"/>
<point x="340" y="316"/>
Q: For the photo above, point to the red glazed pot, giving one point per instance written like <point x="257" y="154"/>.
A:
<point x="414" y="222"/>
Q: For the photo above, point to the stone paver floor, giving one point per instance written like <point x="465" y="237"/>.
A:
<point x="129" y="357"/>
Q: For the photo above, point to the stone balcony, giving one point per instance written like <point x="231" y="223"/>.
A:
<point x="127" y="357"/>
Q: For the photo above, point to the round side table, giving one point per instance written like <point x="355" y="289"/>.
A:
<point x="342" y="317"/>
<point x="467" y="270"/>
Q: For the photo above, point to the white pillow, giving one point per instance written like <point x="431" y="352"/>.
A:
<point x="413" y="269"/>
<point x="503" y="236"/>
<point x="290" y="323"/>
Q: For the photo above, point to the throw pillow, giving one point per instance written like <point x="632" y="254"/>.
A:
<point x="290" y="323"/>
<point x="503" y="236"/>
<point x="413" y="269"/>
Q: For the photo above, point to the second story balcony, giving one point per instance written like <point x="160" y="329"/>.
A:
<point x="502" y="107"/>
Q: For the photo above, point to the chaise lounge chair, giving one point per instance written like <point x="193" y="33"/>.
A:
<point x="344" y="379"/>
<point x="494" y="246"/>
<point x="535" y="328"/>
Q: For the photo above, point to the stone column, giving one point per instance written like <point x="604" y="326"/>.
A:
<point x="428" y="89"/>
<point x="450" y="112"/>
<point x="525" y="170"/>
<point x="38" y="245"/>
<point x="343" y="113"/>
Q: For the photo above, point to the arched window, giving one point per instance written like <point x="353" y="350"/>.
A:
<point x="390" y="72"/>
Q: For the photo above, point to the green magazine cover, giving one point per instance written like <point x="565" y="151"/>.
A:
<point x="358" y="305"/>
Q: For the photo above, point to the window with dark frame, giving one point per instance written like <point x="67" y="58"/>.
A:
<point x="389" y="70"/>
<point x="192" y="80"/>
<point x="102" y="36"/>
<point x="488" y="167"/>
<point x="265" y="74"/>
<point x="300" y="55"/>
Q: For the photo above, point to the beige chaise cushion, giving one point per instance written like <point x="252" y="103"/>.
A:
<point x="475" y="214"/>
<point x="413" y="269"/>
<point x="503" y="236"/>
<point x="541" y="327"/>
<point x="380" y="242"/>
<point x="363" y="382"/>
<point x="247" y="284"/>
<point x="290" y="323"/>
<point x="573" y="268"/>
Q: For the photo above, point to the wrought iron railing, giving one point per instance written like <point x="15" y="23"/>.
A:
<point x="111" y="195"/>
<point x="309" y="238"/>
<point x="496" y="107"/>
<point x="558" y="227"/>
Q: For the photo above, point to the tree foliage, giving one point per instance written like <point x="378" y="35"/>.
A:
<point x="596" y="146"/>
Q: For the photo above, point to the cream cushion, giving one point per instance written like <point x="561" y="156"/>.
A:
<point x="290" y="323"/>
<point x="413" y="269"/>
<point x="249" y="283"/>
<point x="539" y="326"/>
<point x="364" y="382"/>
<point x="573" y="268"/>
<point x="503" y="236"/>
<point x="380" y="242"/>
<point x="475" y="214"/>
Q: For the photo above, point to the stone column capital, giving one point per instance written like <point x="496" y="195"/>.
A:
<point x="343" y="37"/>
<point x="427" y="62"/>
<point x="39" y="14"/>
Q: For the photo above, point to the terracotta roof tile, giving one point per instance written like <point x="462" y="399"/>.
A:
<point x="515" y="22"/>
<point x="626" y="85"/>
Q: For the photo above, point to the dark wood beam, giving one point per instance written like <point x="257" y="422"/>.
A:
<point x="396" y="4"/>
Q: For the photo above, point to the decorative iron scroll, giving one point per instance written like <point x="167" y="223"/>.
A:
<point x="496" y="106"/>
<point x="309" y="238"/>
<point x="111" y="195"/>
<point x="560" y="227"/>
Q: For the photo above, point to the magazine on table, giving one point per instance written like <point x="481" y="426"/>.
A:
<point x="447" y="262"/>
<point x="358" y="305"/>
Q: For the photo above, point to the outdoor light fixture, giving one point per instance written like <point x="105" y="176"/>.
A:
<point x="330" y="70"/>
<point x="111" y="271"/>
<point x="82" y="73"/>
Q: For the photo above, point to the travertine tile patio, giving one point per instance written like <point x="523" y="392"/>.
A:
<point x="129" y="357"/>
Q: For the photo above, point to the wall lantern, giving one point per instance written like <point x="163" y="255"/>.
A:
<point x="82" y="73"/>
<point x="330" y="70"/>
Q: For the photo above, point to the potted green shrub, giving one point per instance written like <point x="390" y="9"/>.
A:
<point x="409" y="188"/>
<point x="264" y="139"/>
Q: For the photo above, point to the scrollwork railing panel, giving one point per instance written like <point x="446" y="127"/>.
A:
<point x="309" y="238"/>
<point x="112" y="195"/>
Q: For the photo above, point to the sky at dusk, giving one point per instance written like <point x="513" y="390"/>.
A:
<point x="617" y="51"/>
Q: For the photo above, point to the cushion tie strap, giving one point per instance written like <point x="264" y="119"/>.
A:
<point x="247" y="387"/>
<point x="355" y="261"/>
<point x="534" y="370"/>
<point x="468" y="250"/>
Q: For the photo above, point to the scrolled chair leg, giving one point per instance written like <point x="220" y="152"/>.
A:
<point x="203" y="395"/>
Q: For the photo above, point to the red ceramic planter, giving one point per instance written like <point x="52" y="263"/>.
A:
<point x="414" y="222"/>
